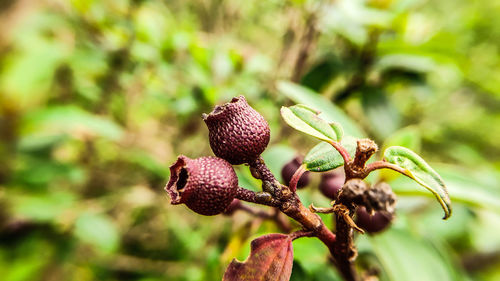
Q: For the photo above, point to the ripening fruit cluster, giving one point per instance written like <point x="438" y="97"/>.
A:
<point x="238" y="135"/>
<point x="207" y="185"/>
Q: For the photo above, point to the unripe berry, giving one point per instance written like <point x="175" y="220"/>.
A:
<point x="237" y="132"/>
<point x="289" y="169"/>
<point x="331" y="183"/>
<point x="372" y="223"/>
<point x="207" y="185"/>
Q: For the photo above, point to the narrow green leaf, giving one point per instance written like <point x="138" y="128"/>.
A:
<point x="323" y="157"/>
<point x="329" y="111"/>
<point x="306" y="120"/>
<point x="417" y="169"/>
<point x="458" y="182"/>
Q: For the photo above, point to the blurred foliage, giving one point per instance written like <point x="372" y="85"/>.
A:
<point x="98" y="97"/>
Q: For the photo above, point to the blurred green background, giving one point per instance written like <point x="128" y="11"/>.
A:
<point x="98" y="97"/>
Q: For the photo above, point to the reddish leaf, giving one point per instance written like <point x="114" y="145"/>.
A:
<point x="271" y="259"/>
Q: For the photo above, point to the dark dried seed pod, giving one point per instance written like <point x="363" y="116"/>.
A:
<point x="237" y="132"/>
<point x="207" y="185"/>
<point x="372" y="223"/>
<point x="331" y="183"/>
<point x="289" y="169"/>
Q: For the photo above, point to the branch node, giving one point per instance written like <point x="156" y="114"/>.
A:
<point x="345" y="213"/>
<point x="321" y="209"/>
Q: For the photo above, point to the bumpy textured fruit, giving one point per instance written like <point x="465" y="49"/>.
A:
<point x="207" y="185"/>
<point x="372" y="223"/>
<point x="237" y="132"/>
<point x="331" y="183"/>
<point x="289" y="169"/>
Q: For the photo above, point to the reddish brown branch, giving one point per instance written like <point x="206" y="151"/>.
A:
<point x="300" y="234"/>
<point x="263" y="171"/>
<point x="356" y="168"/>
<point x="343" y="152"/>
<point x="262" y="198"/>
<point x="289" y="203"/>
<point x="384" y="165"/>
<point x="344" y="251"/>
<point x="296" y="177"/>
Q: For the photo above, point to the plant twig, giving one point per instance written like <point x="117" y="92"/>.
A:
<point x="296" y="177"/>
<point x="345" y="251"/>
<point x="300" y="234"/>
<point x="384" y="165"/>
<point x="289" y="203"/>
<point x="262" y="198"/>
<point x="364" y="150"/>
<point x="343" y="152"/>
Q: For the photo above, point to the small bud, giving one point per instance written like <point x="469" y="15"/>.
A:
<point x="289" y="169"/>
<point x="237" y="132"/>
<point x="268" y="187"/>
<point x="372" y="223"/>
<point x="263" y="197"/>
<point x="331" y="183"/>
<point x="207" y="185"/>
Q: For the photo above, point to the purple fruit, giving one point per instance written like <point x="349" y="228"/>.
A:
<point x="207" y="185"/>
<point x="289" y="170"/>
<point x="331" y="183"/>
<point x="372" y="223"/>
<point x="237" y="132"/>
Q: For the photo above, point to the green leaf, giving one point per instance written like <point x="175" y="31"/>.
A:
<point x="306" y="120"/>
<point x="311" y="254"/>
<point x="416" y="168"/>
<point x="407" y="137"/>
<point x="405" y="257"/>
<point x="458" y="182"/>
<point x="417" y="63"/>
<point x="70" y="120"/>
<point x="44" y="207"/>
<point x="329" y="111"/>
<point x="97" y="230"/>
<point x="323" y="157"/>
<point x="383" y="118"/>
